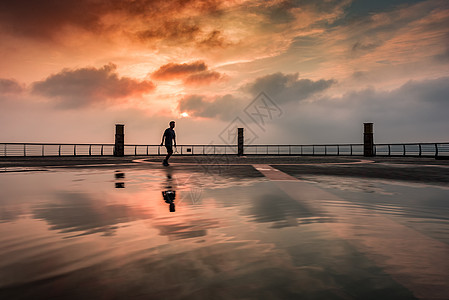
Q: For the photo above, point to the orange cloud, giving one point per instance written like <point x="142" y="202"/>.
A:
<point x="87" y="86"/>
<point x="193" y="74"/>
<point x="172" y="71"/>
<point x="10" y="86"/>
<point x="203" y="78"/>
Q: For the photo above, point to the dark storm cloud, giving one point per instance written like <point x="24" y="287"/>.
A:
<point x="86" y="86"/>
<point x="10" y="86"/>
<point x="287" y="87"/>
<point x="222" y="107"/>
<point x="45" y="18"/>
<point x="172" y="71"/>
<point x="41" y="19"/>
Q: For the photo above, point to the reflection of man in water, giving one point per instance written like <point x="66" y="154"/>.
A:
<point x="170" y="138"/>
<point x="169" y="194"/>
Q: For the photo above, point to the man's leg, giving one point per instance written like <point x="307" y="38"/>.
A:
<point x="169" y="153"/>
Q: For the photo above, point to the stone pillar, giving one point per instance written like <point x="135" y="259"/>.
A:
<point x="368" y="139"/>
<point x="240" y="141"/>
<point x="119" y="149"/>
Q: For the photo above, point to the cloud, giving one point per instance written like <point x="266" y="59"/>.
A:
<point x="172" y="71"/>
<point x="10" y="86"/>
<point x="247" y="28"/>
<point x="87" y="86"/>
<point x="193" y="74"/>
<point x="46" y="18"/>
<point x="203" y="78"/>
<point x="214" y="39"/>
<point x="222" y="107"/>
<point x="283" y="88"/>
<point x="287" y="87"/>
<point x="414" y="112"/>
<point x="175" y="30"/>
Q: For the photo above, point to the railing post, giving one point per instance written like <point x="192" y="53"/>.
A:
<point x="389" y="150"/>
<point x="325" y="149"/>
<point x="147" y="150"/>
<point x="59" y="150"/>
<point x="351" y="149"/>
<point x="420" y="152"/>
<point x="338" y="150"/>
<point x="90" y="150"/>
<point x="24" y="150"/>
<point x="436" y="150"/>
<point x="102" y="150"/>
<point x="43" y="150"/>
<point x="240" y="141"/>
<point x="403" y="149"/>
<point x="158" y="150"/>
<point x="119" y="148"/>
<point x="135" y="150"/>
<point x="203" y="149"/>
<point x="368" y="140"/>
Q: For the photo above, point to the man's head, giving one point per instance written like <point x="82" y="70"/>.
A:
<point x="172" y="124"/>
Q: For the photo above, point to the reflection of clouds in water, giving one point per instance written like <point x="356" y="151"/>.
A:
<point x="78" y="212"/>
<point x="263" y="202"/>
<point x="10" y="213"/>
<point x="227" y="270"/>
<point x="281" y="210"/>
<point x="188" y="229"/>
<point x="350" y="184"/>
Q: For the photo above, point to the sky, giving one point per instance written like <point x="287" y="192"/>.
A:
<point x="289" y="72"/>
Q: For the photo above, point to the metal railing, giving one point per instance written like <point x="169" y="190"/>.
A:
<point x="53" y="149"/>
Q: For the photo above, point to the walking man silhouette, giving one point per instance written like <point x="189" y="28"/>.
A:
<point x="170" y="138"/>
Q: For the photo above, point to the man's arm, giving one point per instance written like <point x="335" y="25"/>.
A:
<point x="174" y="139"/>
<point x="163" y="136"/>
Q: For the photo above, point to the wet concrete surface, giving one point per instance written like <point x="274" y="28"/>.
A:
<point x="427" y="170"/>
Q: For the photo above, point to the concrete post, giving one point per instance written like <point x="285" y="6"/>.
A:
<point x="368" y="140"/>
<point x="240" y="141"/>
<point x="119" y="149"/>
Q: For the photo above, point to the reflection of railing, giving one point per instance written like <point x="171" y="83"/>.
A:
<point x="51" y="149"/>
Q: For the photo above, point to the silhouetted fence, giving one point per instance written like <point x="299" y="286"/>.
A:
<point x="51" y="149"/>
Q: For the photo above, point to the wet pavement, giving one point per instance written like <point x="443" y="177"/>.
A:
<point x="224" y="228"/>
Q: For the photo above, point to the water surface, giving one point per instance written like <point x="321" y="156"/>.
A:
<point x="110" y="234"/>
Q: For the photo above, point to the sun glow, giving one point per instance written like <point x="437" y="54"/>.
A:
<point x="184" y="115"/>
